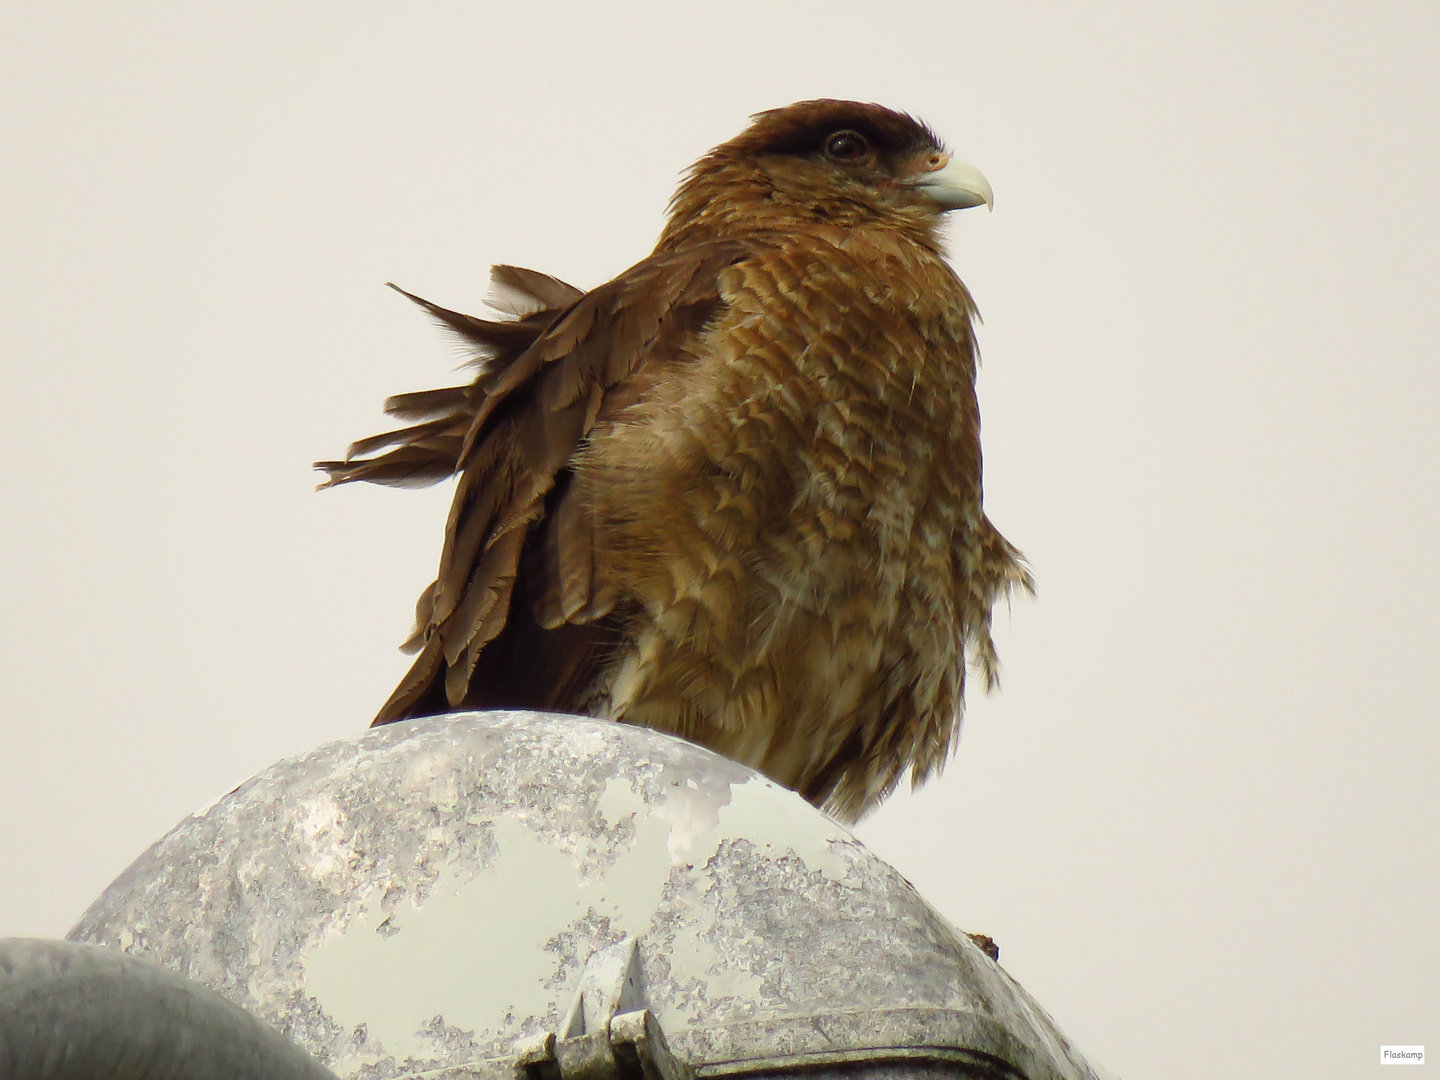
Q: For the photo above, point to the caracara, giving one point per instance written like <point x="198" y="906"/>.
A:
<point x="733" y="494"/>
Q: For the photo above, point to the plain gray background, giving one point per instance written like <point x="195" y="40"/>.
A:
<point x="1201" y="818"/>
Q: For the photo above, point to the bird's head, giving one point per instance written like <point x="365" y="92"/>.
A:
<point x="832" y="162"/>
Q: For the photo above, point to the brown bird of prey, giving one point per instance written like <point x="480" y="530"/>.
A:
<point x="733" y="494"/>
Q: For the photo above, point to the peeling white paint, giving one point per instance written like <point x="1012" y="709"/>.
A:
<point x="499" y="919"/>
<point x="754" y="812"/>
<point x="445" y="959"/>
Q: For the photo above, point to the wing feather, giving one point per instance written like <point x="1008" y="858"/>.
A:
<point x="430" y="449"/>
<point x="516" y="526"/>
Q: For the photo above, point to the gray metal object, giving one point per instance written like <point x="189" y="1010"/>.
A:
<point x="608" y="1033"/>
<point x="77" y="1012"/>
<point x="478" y="893"/>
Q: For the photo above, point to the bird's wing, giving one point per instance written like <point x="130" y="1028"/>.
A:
<point x="428" y="450"/>
<point x="513" y="514"/>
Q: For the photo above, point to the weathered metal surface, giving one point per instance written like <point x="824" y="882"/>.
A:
<point x="424" y="897"/>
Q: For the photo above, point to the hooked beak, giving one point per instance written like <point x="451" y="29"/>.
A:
<point x="954" y="185"/>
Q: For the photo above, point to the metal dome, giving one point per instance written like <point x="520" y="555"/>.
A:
<point x="482" y="893"/>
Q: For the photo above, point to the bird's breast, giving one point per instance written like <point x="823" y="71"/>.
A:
<point x="787" y="505"/>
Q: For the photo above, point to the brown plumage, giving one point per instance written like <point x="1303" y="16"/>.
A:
<point x="734" y="493"/>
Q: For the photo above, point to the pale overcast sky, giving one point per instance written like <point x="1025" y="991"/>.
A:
<point x="1201" y="818"/>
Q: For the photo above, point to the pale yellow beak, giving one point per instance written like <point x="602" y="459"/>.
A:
<point x="954" y="185"/>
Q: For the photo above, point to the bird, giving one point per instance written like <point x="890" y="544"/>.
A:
<point x="735" y="493"/>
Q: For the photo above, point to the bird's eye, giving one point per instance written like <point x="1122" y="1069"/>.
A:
<point x="847" y="146"/>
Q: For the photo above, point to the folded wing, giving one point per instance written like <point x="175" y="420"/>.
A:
<point x="521" y="613"/>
